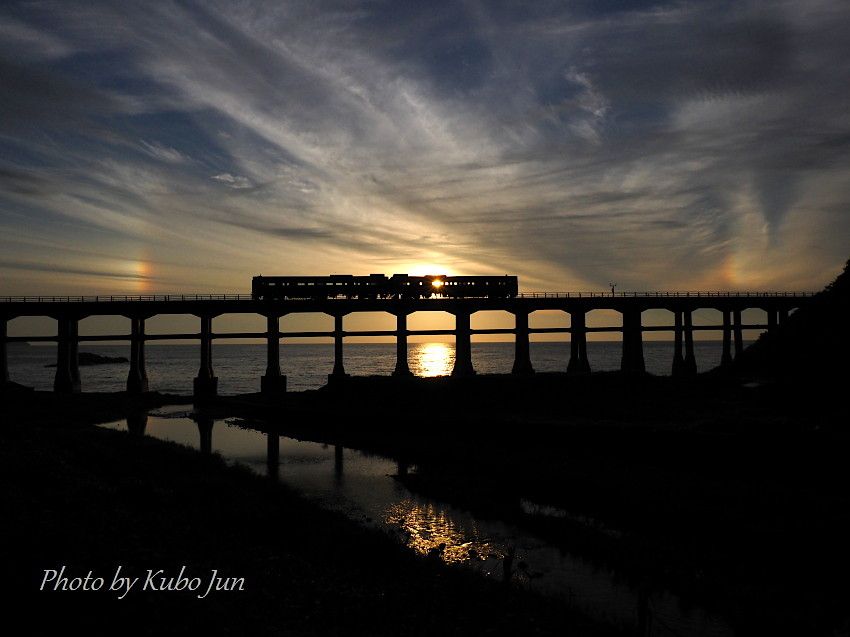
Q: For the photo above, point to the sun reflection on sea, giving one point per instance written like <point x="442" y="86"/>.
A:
<point x="432" y="359"/>
<point x="428" y="530"/>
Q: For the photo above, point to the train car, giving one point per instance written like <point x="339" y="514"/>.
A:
<point x="379" y="286"/>
<point x="501" y="287"/>
<point x="267" y="288"/>
<point x="403" y="286"/>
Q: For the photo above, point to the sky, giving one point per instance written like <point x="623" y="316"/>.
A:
<point x="185" y="147"/>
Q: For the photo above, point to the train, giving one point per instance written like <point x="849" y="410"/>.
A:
<point x="380" y="286"/>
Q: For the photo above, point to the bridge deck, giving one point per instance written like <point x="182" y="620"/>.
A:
<point x="216" y="304"/>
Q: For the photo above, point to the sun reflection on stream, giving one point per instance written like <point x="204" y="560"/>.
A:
<point x="429" y="530"/>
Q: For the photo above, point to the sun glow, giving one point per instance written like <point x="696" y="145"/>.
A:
<point x="143" y="271"/>
<point x="427" y="270"/>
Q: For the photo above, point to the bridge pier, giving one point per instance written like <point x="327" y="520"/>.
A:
<point x="632" y="359"/>
<point x="206" y="383"/>
<point x="579" y="363"/>
<point x="772" y="320"/>
<point x="402" y="368"/>
<point x="463" y="345"/>
<point x="738" y="332"/>
<point x="678" y="368"/>
<point x="726" y="356"/>
<point x="522" y="354"/>
<point x="137" y="377"/>
<point x="5" y="379"/>
<point x="338" y="372"/>
<point x="74" y="360"/>
<point x="690" y="366"/>
<point x="273" y="383"/>
<point x="67" y="379"/>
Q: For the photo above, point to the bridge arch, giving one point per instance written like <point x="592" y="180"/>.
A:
<point x="499" y="326"/>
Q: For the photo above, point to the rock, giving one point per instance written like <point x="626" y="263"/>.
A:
<point x="87" y="358"/>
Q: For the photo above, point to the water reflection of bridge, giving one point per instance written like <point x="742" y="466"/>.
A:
<point x="69" y="311"/>
<point x="137" y="425"/>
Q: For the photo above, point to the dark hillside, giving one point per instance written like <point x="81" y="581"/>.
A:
<point x="813" y="345"/>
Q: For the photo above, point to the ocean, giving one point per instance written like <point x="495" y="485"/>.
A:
<point x="172" y="368"/>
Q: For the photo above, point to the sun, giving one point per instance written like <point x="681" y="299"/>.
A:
<point x="436" y="283"/>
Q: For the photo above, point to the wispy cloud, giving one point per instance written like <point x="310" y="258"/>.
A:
<point x="662" y="144"/>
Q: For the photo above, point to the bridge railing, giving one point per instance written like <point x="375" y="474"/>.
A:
<point x="125" y="298"/>
<point x="522" y="295"/>
<point x="686" y="294"/>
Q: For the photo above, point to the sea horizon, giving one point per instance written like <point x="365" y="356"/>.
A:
<point x="171" y="367"/>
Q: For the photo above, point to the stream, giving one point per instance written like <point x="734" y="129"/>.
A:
<point x="362" y="486"/>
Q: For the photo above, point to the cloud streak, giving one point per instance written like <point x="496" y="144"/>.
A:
<point x="662" y="144"/>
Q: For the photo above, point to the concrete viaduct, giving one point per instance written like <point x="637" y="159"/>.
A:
<point x="68" y="311"/>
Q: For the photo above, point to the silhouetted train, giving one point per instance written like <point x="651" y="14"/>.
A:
<point x="380" y="286"/>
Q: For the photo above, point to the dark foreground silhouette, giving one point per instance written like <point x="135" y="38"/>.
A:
<point x="731" y="495"/>
<point x="92" y="500"/>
